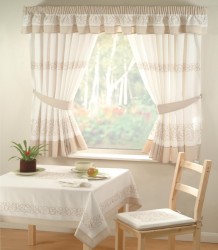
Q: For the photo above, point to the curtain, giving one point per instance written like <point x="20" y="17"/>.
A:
<point x="113" y="19"/>
<point x="170" y="69"/>
<point x="58" y="62"/>
<point x="62" y="39"/>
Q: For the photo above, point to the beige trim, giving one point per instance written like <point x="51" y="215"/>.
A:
<point x="56" y="103"/>
<point x="169" y="154"/>
<point x="63" y="148"/>
<point x="113" y="19"/>
<point x="174" y="106"/>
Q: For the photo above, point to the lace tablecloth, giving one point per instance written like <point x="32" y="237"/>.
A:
<point x="42" y="196"/>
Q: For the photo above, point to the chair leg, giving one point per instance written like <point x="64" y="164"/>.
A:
<point x="85" y="247"/>
<point x="119" y="238"/>
<point x="197" y="239"/>
<point x="141" y="242"/>
<point x="171" y="242"/>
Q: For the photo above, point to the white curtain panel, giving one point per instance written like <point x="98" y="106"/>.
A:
<point x="171" y="70"/>
<point x="58" y="62"/>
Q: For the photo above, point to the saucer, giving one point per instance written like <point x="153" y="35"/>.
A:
<point x="29" y="173"/>
<point x="78" y="171"/>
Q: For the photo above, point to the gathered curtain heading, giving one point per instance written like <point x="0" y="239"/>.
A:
<point x="113" y="19"/>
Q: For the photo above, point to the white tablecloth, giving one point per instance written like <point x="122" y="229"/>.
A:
<point x="42" y="196"/>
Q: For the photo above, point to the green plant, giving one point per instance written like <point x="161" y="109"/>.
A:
<point x="28" y="153"/>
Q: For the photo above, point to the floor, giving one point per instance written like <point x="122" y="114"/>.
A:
<point x="17" y="240"/>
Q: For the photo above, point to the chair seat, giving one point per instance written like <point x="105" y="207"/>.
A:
<point x="157" y="218"/>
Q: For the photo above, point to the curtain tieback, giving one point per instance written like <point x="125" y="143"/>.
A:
<point x="174" y="106"/>
<point x="56" y="103"/>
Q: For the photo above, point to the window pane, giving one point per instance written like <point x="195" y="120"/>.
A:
<point x="113" y="108"/>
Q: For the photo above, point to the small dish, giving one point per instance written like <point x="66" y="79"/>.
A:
<point x="29" y="173"/>
<point x="78" y="171"/>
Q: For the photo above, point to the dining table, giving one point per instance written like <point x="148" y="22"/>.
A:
<point x="62" y="196"/>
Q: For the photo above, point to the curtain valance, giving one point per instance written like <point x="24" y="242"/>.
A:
<point x="112" y="19"/>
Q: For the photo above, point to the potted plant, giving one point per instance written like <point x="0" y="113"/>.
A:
<point x="28" y="155"/>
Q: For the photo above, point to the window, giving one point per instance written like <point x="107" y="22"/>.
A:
<point x="113" y="108"/>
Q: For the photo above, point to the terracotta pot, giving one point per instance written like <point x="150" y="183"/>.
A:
<point x="28" y="166"/>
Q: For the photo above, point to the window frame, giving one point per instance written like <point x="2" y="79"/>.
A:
<point x="112" y="155"/>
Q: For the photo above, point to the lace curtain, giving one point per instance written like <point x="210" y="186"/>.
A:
<point x="58" y="62"/>
<point x="62" y="39"/>
<point x="171" y="71"/>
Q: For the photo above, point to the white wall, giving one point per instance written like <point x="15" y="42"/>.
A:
<point x="153" y="180"/>
<point x="15" y="80"/>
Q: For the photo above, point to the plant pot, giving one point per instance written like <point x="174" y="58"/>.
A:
<point x="28" y="166"/>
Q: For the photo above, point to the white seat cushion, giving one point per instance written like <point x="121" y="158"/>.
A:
<point x="156" y="218"/>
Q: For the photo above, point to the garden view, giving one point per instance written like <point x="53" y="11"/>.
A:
<point x="113" y="108"/>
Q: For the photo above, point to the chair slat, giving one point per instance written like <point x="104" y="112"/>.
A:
<point x="187" y="189"/>
<point x="191" y="165"/>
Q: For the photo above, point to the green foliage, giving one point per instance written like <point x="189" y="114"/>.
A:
<point x="27" y="153"/>
<point x="118" y="127"/>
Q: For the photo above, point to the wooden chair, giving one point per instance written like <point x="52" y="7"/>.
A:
<point x="167" y="221"/>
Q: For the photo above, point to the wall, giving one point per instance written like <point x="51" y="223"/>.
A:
<point x="153" y="180"/>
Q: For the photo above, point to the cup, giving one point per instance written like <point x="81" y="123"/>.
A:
<point x="83" y="165"/>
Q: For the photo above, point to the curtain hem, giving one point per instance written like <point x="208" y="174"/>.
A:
<point x="62" y="148"/>
<point x="169" y="154"/>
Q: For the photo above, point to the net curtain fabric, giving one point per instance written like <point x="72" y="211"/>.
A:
<point x="62" y="38"/>
<point x="58" y="62"/>
<point x="170" y="69"/>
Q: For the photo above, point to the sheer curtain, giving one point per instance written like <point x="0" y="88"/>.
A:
<point x="58" y="62"/>
<point x="170" y="68"/>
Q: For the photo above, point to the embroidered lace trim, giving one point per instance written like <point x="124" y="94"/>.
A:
<point x="72" y="214"/>
<point x="26" y="209"/>
<point x="62" y="136"/>
<point x="58" y="66"/>
<point x="53" y="129"/>
<point x="177" y="135"/>
<point x="170" y="67"/>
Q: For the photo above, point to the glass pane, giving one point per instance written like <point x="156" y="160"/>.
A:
<point x="113" y="108"/>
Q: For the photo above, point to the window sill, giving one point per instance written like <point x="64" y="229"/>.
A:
<point x="113" y="155"/>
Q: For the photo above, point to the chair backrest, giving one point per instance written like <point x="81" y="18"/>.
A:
<point x="198" y="193"/>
